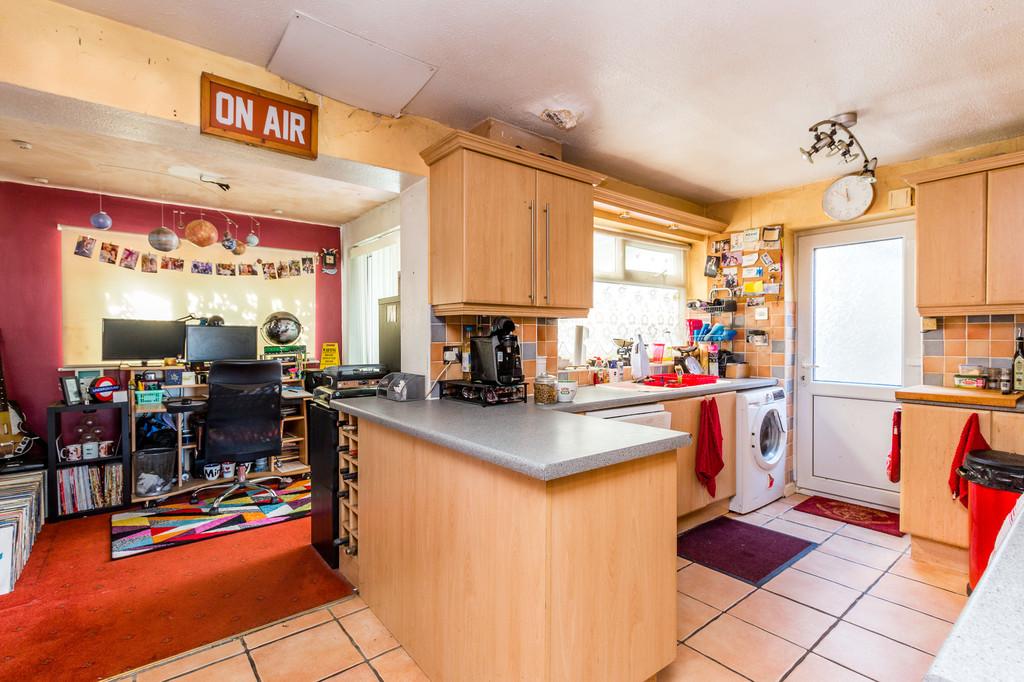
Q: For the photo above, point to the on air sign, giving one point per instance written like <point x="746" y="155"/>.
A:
<point x="246" y="114"/>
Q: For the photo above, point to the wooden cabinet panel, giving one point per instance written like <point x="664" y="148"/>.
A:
<point x="565" y="253"/>
<point x="951" y="241"/>
<point x="691" y="495"/>
<point x="930" y="436"/>
<point x="1007" y="432"/>
<point x="1005" y="235"/>
<point x="500" y="231"/>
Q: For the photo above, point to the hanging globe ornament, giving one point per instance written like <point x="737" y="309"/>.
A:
<point x="100" y="219"/>
<point x="164" y="239"/>
<point x="239" y="249"/>
<point x="253" y="239"/>
<point x="229" y="242"/>
<point x="201" y="232"/>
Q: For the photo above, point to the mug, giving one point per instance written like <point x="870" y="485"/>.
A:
<point x="211" y="472"/>
<point x="106" y="448"/>
<point x="566" y="391"/>
<point x="90" y="450"/>
<point x="245" y="466"/>
<point x="71" y="453"/>
<point x="227" y="469"/>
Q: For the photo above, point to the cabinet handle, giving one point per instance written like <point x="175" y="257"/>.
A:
<point x="533" y="254"/>
<point x="547" y="253"/>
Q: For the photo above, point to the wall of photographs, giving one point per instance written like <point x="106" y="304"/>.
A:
<point x="118" y="274"/>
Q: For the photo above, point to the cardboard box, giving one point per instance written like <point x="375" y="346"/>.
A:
<point x="506" y="133"/>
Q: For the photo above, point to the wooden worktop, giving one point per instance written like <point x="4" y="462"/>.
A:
<point x="960" y="396"/>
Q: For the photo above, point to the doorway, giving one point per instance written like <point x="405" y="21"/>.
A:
<point x="858" y="342"/>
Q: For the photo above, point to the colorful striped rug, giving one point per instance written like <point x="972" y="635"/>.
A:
<point x="138" y="531"/>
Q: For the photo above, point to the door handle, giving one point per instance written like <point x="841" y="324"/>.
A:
<point x="533" y="254"/>
<point x="547" y="253"/>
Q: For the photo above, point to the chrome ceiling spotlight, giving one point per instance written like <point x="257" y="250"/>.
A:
<point x="833" y="136"/>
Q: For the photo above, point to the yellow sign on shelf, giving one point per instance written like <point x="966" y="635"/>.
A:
<point x="329" y="355"/>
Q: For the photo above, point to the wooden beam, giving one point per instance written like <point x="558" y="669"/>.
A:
<point x="966" y="168"/>
<point x="649" y="208"/>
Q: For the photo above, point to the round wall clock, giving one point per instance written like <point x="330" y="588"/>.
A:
<point x="848" y="198"/>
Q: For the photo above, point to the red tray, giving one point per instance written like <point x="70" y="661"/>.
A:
<point x="677" y="381"/>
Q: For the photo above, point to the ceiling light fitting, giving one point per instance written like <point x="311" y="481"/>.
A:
<point x="214" y="181"/>
<point x="833" y="136"/>
<point x="563" y="119"/>
<point x="22" y="144"/>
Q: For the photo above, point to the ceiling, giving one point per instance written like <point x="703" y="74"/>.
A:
<point x="704" y="100"/>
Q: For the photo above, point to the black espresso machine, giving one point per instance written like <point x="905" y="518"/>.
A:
<point x="496" y="369"/>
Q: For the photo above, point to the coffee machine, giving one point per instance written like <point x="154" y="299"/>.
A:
<point x="495" y="359"/>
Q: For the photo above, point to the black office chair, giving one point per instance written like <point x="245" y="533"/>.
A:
<point x="243" y="422"/>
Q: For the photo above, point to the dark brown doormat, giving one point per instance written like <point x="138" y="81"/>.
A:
<point x="744" y="551"/>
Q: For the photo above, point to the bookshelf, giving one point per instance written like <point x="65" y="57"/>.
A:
<point x="112" y="486"/>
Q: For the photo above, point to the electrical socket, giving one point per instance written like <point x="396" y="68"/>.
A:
<point x="452" y="354"/>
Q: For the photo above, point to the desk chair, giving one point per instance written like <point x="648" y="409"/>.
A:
<point x="243" y="422"/>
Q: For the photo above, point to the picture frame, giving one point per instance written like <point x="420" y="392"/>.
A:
<point x="771" y="233"/>
<point x="70" y="390"/>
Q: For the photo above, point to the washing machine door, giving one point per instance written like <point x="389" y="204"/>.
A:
<point x="768" y="432"/>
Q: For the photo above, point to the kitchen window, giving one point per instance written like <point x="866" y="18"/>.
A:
<point x="639" y="286"/>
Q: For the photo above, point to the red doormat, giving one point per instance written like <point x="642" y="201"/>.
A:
<point x="847" y="512"/>
<point x="75" y="614"/>
<point x="750" y="553"/>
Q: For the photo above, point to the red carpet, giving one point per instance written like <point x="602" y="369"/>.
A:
<point x="77" y="615"/>
<point x="847" y="512"/>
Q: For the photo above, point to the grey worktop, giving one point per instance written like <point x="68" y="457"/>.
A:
<point x="539" y="443"/>
<point x="966" y="406"/>
<point x="985" y="644"/>
<point x="608" y="396"/>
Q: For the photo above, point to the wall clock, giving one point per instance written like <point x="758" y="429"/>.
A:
<point x="848" y="197"/>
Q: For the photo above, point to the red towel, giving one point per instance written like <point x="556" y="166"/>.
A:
<point x="892" y="468"/>
<point x="970" y="440"/>
<point x="709" y="460"/>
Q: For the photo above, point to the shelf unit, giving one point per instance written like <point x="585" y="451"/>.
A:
<point x="54" y="417"/>
<point x="348" y="492"/>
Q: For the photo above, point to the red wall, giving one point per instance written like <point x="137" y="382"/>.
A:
<point x="30" y="287"/>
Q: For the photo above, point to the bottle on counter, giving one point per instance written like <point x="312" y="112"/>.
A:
<point x="1018" y="362"/>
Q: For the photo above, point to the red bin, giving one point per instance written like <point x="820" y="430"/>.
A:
<point x="995" y="481"/>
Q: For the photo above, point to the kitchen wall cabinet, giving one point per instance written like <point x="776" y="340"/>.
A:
<point x="929" y="439"/>
<point x="510" y="231"/>
<point x="970" y="234"/>
<point x="691" y="495"/>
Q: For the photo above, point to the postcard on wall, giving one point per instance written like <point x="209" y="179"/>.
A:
<point x="172" y="264"/>
<point x="731" y="281"/>
<point x="772" y="288"/>
<point x="751" y="235"/>
<point x="85" y="246"/>
<point x="226" y="269"/>
<point x="761" y="313"/>
<point x="749" y="258"/>
<point x="246" y="270"/>
<point x="202" y="268"/>
<point x="149" y="263"/>
<point x="772" y="233"/>
<point x="308" y="267"/>
<point x="731" y="271"/>
<point x="767" y="259"/>
<point x="129" y="258"/>
<point x="282" y="270"/>
<point x="711" y="266"/>
<point x="757" y="271"/>
<point x="775" y="267"/>
<point x="753" y="287"/>
<point x="720" y="246"/>
<point x="755" y="301"/>
<point x="731" y="258"/>
<point x="108" y="253"/>
<point x="736" y="241"/>
<point x="269" y="271"/>
<point x="294" y="268"/>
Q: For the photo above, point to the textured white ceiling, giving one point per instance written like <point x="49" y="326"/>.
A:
<point x="707" y="100"/>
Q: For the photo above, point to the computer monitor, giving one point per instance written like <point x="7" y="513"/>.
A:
<point x="142" y="339"/>
<point x="207" y="344"/>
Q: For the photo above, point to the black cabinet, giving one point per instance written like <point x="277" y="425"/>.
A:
<point x="323" y="464"/>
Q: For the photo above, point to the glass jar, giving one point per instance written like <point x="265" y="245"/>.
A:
<point x="545" y="389"/>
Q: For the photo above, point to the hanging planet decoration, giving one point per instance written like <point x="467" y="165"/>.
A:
<point x="281" y="328"/>
<point x="239" y="249"/>
<point x="201" y="232"/>
<point x="101" y="220"/>
<point x="252" y="239"/>
<point x="164" y="239"/>
<point x="229" y="242"/>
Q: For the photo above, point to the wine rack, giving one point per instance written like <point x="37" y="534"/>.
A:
<point x="348" y="487"/>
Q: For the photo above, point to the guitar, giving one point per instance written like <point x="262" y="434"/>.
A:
<point x="15" y="439"/>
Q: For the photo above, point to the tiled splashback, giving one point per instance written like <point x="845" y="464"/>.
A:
<point x="977" y="340"/>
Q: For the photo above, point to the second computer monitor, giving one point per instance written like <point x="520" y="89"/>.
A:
<point x="208" y="344"/>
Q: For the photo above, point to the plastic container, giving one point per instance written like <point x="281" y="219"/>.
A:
<point x="679" y="380"/>
<point x="154" y="471"/>
<point x="969" y="381"/>
<point x="149" y="397"/>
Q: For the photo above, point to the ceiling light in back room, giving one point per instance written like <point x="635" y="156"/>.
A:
<point x="22" y="144"/>
<point x="563" y="119"/>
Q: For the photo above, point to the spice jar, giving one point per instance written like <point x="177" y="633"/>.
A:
<point x="545" y="389"/>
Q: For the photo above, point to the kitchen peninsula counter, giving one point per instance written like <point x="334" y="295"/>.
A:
<point x="608" y="396"/>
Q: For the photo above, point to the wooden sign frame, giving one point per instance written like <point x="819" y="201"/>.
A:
<point x="255" y="139"/>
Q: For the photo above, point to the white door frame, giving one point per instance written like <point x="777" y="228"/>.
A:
<point x="806" y="389"/>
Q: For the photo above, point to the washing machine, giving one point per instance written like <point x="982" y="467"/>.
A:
<point x="760" y="448"/>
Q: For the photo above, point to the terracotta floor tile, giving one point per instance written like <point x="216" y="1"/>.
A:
<point x="819" y="522"/>
<point x="813" y="591"/>
<point x="793" y="622"/>
<point x="814" y="668"/>
<point x="348" y="606"/>
<point x="369" y="633"/>
<point x="748" y="650"/>
<point x="774" y="509"/>
<point x="397" y="666"/>
<point x="918" y="596"/>
<point x="794" y="499"/>
<point x="838" y="570"/>
<point x="234" y="669"/>
<point x="860" y="552"/>
<point x="873" y="655"/>
<point x="191" y="661"/>
<point x="288" y="627"/>
<point x="690" y="665"/>
<point x="360" y="673"/>
<point x="873" y="537"/>
<point x="691" y="615"/>
<point x="900" y="623"/>
<point x="711" y="587"/>
<point x="936" y="576"/>
<point x="797" y="530"/>
<point x="751" y="517"/>
<point x="309" y="655"/>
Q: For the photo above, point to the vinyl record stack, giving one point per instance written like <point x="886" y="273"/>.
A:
<point x="21" y="518"/>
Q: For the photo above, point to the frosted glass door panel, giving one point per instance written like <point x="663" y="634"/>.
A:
<point x="858" y="313"/>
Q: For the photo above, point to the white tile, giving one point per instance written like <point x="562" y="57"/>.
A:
<point x="893" y="542"/>
<point x="796" y="530"/>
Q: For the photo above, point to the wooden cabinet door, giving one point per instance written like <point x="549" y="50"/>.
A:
<point x="951" y="241"/>
<point x="1007" y="432"/>
<point x="691" y="495"/>
<point x="1005" y="235"/>
<point x="930" y="437"/>
<point x="565" y="244"/>
<point x="500" y="231"/>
